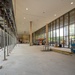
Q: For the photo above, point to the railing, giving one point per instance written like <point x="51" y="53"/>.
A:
<point x="7" y="43"/>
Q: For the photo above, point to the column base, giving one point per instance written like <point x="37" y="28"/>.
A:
<point x="5" y="60"/>
<point x="8" y="55"/>
<point x="0" y="67"/>
<point x="31" y="44"/>
<point x="46" y="44"/>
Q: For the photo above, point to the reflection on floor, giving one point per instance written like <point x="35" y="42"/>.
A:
<point x="26" y="60"/>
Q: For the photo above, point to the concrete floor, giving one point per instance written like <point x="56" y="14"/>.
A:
<point x="26" y="60"/>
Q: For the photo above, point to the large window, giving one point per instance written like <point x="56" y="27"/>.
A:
<point x="66" y="43"/>
<point x="57" y="32"/>
<point x="49" y="36"/>
<point x="61" y="36"/>
<point x="54" y="40"/>
<point x="53" y="36"/>
<point x="51" y="39"/>
<point x="62" y="30"/>
<point x="72" y="25"/>
<point x="66" y="23"/>
<point x="57" y="35"/>
<point x="72" y="29"/>
<point x="72" y="17"/>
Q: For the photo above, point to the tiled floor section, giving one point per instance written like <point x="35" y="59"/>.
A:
<point x="26" y="60"/>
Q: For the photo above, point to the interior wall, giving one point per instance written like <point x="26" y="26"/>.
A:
<point x="23" y="38"/>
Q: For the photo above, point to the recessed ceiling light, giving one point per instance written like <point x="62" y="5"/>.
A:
<point x="24" y="18"/>
<point x="71" y="2"/>
<point x="55" y="15"/>
<point x="26" y="8"/>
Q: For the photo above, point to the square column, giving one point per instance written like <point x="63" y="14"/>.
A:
<point x="30" y="33"/>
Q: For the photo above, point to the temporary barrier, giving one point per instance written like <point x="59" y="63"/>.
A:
<point x="8" y="31"/>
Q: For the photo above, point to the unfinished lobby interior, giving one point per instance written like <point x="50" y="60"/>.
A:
<point x="37" y="37"/>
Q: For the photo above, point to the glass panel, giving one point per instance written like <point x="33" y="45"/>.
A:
<point x="51" y="26"/>
<point x="42" y="35"/>
<point x="53" y="33"/>
<point x="57" y="23"/>
<point x="65" y="19"/>
<point x="61" y="22"/>
<point x="49" y="36"/>
<point x="71" y="37"/>
<point x="36" y="37"/>
<point x="51" y="39"/>
<point x="66" y="31"/>
<point x="72" y="29"/>
<point x="61" y="36"/>
<point x="66" y="43"/>
<point x="57" y="36"/>
<point x="45" y="35"/>
<point x="72" y="17"/>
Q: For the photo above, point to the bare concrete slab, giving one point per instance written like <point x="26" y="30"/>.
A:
<point x="31" y="60"/>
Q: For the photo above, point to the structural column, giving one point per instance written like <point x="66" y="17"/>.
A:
<point x="7" y="45"/>
<point x="47" y="34"/>
<point x="30" y="33"/>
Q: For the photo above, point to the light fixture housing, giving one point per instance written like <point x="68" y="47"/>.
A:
<point x="71" y="2"/>
<point x="26" y="8"/>
<point x="55" y="15"/>
<point x="24" y="18"/>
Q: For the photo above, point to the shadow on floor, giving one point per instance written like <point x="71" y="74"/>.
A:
<point x="46" y="50"/>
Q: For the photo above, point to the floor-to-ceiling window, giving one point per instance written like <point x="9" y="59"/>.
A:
<point x="61" y="30"/>
<point x="57" y="31"/>
<point x="51" y="38"/>
<point x="53" y="32"/>
<point x="72" y="25"/>
<point x="66" y="42"/>
<point x="49" y="33"/>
